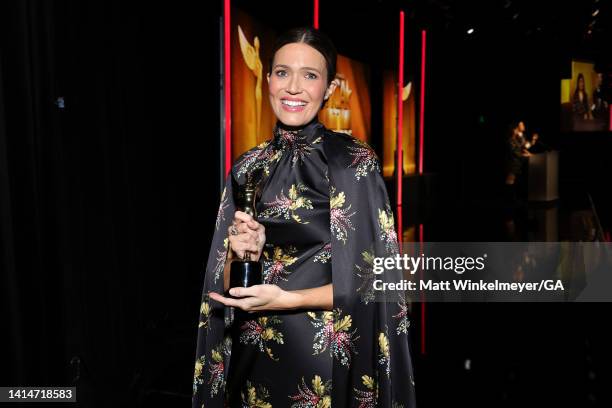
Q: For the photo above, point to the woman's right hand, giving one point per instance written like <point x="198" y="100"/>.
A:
<point x="248" y="235"/>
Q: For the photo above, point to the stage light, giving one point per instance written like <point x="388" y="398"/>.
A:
<point x="400" y="167"/>
<point x="60" y="103"/>
<point x="470" y="31"/>
<point x="467" y="364"/>
<point x="422" y="103"/>
<point x="595" y="13"/>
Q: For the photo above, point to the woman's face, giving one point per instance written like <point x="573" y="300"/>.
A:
<point x="298" y="84"/>
<point x="581" y="83"/>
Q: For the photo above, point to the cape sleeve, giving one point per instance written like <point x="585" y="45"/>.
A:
<point x="370" y="342"/>
<point x="214" y="341"/>
<point x="213" y="347"/>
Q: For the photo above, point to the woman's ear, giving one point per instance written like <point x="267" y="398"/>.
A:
<point x="331" y="88"/>
<point x="268" y="77"/>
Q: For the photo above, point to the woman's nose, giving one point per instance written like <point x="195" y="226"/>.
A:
<point x="294" y="85"/>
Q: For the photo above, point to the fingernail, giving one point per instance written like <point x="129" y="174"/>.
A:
<point x="232" y="292"/>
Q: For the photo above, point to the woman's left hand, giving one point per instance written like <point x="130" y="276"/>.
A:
<point x="258" y="297"/>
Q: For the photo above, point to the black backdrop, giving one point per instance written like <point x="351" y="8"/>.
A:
<point x="105" y="204"/>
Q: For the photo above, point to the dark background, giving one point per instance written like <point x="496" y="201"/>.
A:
<point x="107" y="205"/>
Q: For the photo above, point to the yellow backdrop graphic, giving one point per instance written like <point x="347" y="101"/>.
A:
<point x="252" y="116"/>
<point x="348" y="110"/>
<point x="390" y="126"/>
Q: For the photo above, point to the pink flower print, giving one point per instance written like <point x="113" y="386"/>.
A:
<point x="275" y="266"/>
<point x="259" y="332"/>
<point x="364" y="159"/>
<point x="286" y="207"/>
<point x="387" y="230"/>
<point x="367" y="399"/>
<point x="333" y="333"/>
<point x="317" y="397"/>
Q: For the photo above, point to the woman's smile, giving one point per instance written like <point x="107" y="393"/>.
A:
<point x="293" y="105"/>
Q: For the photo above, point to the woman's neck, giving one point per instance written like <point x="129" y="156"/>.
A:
<point x="296" y="128"/>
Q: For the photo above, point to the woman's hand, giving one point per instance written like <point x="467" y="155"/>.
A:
<point x="246" y="234"/>
<point x="259" y="297"/>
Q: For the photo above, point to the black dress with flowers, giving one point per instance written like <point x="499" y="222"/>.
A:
<point x="327" y="216"/>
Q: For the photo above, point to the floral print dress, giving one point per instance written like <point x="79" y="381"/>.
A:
<point x="327" y="216"/>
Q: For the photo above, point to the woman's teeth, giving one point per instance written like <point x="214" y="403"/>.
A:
<point x="293" y="103"/>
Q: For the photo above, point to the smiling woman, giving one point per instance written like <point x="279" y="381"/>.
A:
<point x="314" y="334"/>
<point x="299" y="83"/>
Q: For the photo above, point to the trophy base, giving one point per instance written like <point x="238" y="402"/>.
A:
<point x="245" y="273"/>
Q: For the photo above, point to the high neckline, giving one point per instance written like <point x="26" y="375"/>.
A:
<point x="289" y="136"/>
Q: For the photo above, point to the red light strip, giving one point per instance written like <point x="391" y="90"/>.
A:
<point x="400" y="124"/>
<point x="316" y="14"/>
<point x="227" y="86"/>
<point x="422" y="107"/>
<point x="423" y="304"/>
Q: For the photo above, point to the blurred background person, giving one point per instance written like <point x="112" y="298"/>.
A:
<point x="580" y="100"/>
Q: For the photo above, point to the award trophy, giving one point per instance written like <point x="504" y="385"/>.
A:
<point x="246" y="272"/>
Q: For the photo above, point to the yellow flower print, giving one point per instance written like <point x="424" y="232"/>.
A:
<point x="384" y="356"/>
<point x="316" y="397"/>
<point x="260" y="332"/>
<point x="287" y="206"/>
<point x="255" y="396"/>
<point x="275" y="265"/>
<point x="339" y="217"/>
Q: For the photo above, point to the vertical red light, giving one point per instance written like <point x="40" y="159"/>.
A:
<point x="227" y="86"/>
<point x="423" y="349"/>
<point x="316" y="14"/>
<point x="422" y="107"/>
<point x="400" y="124"/>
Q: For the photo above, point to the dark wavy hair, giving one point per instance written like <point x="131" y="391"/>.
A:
<point x="316" y="39"/>
<point x="580" y="76"/>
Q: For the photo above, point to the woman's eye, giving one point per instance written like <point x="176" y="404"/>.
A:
<point x="281" y="73"/>
<point x="310" y="75"/>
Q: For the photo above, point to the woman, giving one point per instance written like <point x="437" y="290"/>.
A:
<point x="315" y="333"/>
<point x="580" y="100"/>
<point x="516" y="152"/>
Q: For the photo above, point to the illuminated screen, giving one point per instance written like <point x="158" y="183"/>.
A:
<point x="585" y="98"/>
